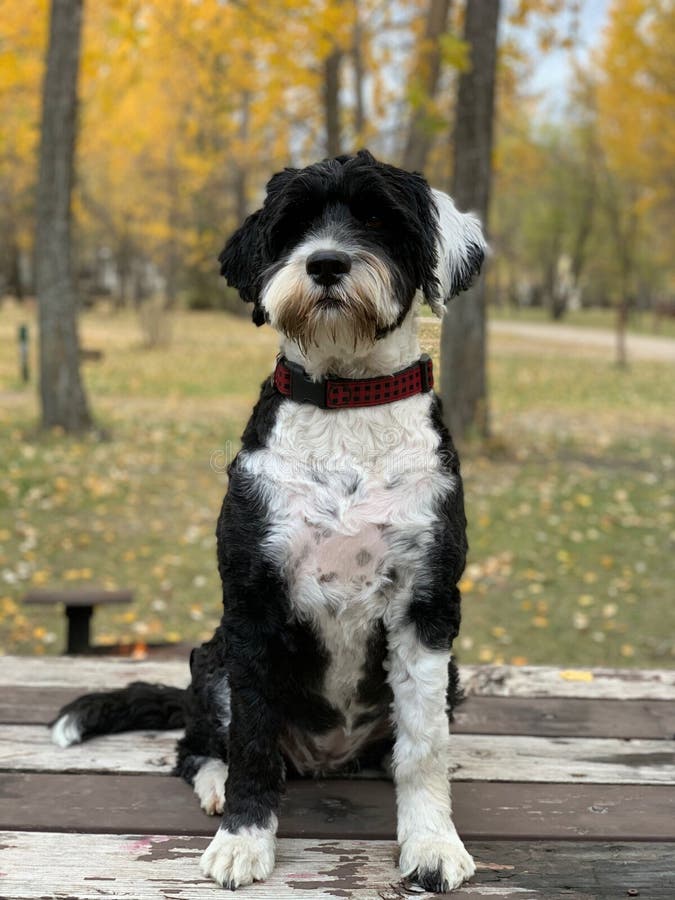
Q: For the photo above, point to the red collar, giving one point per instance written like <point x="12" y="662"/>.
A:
<point x="291" y="380"/>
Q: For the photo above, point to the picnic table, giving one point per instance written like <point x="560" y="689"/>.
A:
<point x="563" y="787"/>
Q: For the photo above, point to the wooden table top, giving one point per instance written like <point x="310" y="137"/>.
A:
<point x="563" y="786"/>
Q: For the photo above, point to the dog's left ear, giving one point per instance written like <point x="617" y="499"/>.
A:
<point x="461" y="250"/>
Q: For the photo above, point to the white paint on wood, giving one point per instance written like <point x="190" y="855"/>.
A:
<point x="34" y="866"/>
<point x="473" y="757"/>
<point x="90" y="673"/>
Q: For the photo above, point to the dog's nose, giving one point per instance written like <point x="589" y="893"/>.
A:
<point x="328" y="266"/>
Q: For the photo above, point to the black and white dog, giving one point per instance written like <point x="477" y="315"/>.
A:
<point x="342" y="536"/>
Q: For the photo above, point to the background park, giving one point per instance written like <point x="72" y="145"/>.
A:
<point x="554" y="119"/>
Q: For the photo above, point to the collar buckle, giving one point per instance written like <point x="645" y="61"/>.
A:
<point x="303" y="389"/>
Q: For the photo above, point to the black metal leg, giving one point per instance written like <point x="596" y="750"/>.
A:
<point x="79" y="619"/>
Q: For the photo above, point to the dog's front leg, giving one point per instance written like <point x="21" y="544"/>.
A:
<point x="242" y="850"/>
<point x="432" y="854"/>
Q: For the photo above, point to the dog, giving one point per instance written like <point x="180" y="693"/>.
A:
<point x="342" y="536"/>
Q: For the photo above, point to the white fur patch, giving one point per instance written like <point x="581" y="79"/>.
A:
<point x="233" y="860"/>
<point x="66" y="731"/>
<point x="222" y="702"/>
<point x="458" y="232"/>
<point x="209" y="786"/>
<point x="419" y="680"/>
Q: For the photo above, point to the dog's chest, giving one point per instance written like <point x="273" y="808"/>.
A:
<point x="350" y="501"/>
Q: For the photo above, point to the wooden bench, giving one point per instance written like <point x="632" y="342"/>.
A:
<point x="563" y="787"/>
<point x="79" y="604"/>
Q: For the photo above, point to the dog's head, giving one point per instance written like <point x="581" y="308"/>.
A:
<point x="340" y="249"/>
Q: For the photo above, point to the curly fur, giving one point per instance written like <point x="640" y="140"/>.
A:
<point x="341" y="539"/>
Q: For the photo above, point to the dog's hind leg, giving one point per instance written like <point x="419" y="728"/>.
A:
<point x="201" y="755"/>
<point x="432" y="854"/>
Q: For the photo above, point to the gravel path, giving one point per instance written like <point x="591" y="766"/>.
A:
<point x="639" y="346"/>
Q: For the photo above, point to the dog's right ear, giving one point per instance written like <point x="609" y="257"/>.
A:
<point x="246" y="254"/>
<point x="240" y="263"/>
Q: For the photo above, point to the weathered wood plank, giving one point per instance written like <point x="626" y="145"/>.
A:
<point x="566" y="717"/>
<point x="340" y="808"/>
<point x="84" y="867"/>
<point x="545" y="681"/>
<point x="475" y="757"/>
<point x="543" y="716"/>
<point x="88" y="673"/>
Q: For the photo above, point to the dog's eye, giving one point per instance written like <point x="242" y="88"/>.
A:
<point x="373" y="221"/>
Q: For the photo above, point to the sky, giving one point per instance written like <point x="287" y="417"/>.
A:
<point x="552" y="73"/>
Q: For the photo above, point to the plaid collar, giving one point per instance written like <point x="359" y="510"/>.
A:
<point x="291" y="380"/>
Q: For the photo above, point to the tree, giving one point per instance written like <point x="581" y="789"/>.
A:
<point x="428" y="72"/>
<point x="62" y="394"/>
<point x="463" y="346"/>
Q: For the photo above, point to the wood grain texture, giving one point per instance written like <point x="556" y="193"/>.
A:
<point x="546" y="681"/>
<point x="473" y="757"/>
<point x="566" y="717"/>
<point x="84" y="867"/>
<point x="87" y="673"/>
<point x="362" y="810"/>
<point x="543" y="716"/>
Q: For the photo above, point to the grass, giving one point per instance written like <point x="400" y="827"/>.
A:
<point x="570" y="504"/>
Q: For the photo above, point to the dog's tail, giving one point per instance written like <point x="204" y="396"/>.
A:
<point x="138" y="705"/>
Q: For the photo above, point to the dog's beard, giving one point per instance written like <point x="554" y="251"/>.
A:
<point x="348" y="313"/>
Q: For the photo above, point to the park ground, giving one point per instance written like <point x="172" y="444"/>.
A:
<point x="571" y="503"/>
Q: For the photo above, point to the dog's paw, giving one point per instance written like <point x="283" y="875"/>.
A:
<point x="437" y="864"/>
<point x="209" y="786"/>
<point x="233" y="860"/>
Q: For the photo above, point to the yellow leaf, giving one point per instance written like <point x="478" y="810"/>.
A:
<point x="576" y="675"/>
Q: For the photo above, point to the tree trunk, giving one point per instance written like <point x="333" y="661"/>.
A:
<point x="241" y="182"/>
<point x="331" y="101"/>
<point x="427" y="75"/>
<point x="463" y="340"/>
<point x="359" y="77"/>
<point x="62" y="395"/>
<point x="171" y="252"/>
<point x="621" y="322"/>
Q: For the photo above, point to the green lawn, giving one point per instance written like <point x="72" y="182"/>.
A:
<point x="571" y="504"/>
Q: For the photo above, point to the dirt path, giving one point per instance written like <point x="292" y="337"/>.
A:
<point x="639" y="346"/>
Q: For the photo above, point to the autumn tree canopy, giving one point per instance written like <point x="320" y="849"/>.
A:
<point x="187" y="108"/>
